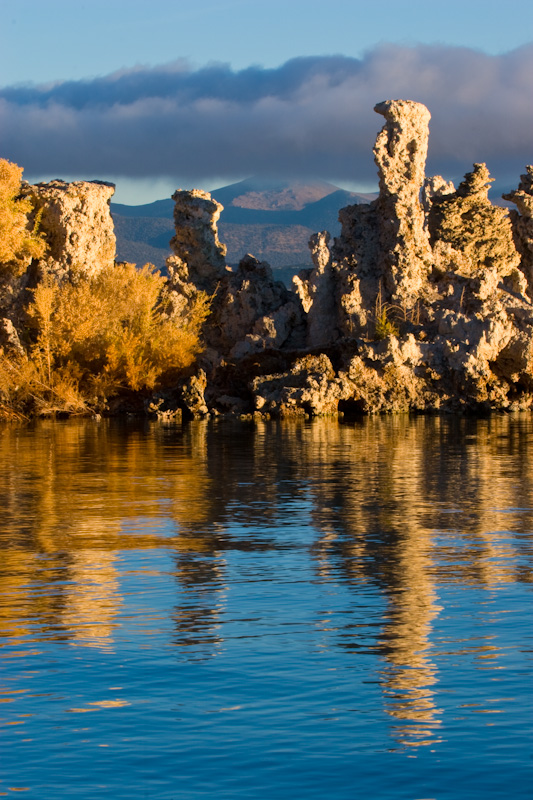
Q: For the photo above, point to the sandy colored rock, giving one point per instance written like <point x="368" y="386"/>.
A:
<point x="9" y="338"/>
<point x="434" y="188"/>
<point x="252" y="311"/>
<point x="196" y="241"/>
<point x="383" y="252"/>
<point x="385" y="376"/>
<point x="191" y="393"/>
<point x="468" y="222"/>
<point x="438" y="274"/>
<point x="316" y="289"/>
<point x="309" y="387"/>
<point x="400" y="153"/>
<point x="77" y="225"/>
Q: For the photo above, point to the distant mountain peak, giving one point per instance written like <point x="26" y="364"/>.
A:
<point x="271" y="218"/>
<point x="270" y="194"/>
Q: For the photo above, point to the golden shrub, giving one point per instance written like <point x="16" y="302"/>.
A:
<point x="19" y="238"/>
<point x="98" y="337"/>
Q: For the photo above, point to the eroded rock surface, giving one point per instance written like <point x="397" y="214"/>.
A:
<point x="423" y="303"/>
<point x="439" y="273"/>
<point x="195" y="243"/>
<point x="400" y="153"/>
<point x="479" y="235"/>
<point x="250" y="310"/>
<point x="76" y="221"/>
<point x="383" y="252"/>
<point x="316" y="289"/>
<point x="191" y="391"/>
<point x="309" y="387"/>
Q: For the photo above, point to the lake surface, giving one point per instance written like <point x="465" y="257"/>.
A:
<point x="224" y="610"/>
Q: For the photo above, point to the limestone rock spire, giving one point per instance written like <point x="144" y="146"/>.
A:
<point x="400" y="154"/>
<point x="196" y="241"/>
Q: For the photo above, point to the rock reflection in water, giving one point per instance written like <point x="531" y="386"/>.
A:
<point x="403" y="505"/>
<point x="380" y="499"/>
<point x="92" y="599"/>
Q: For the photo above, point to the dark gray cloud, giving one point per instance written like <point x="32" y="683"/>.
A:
<point x="311" y="117"/>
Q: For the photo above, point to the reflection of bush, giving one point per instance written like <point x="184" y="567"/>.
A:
<point x="91" y="340"/>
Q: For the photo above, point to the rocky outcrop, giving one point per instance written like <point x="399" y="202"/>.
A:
<point x="472" y="236"/>
<point x="253" y="312"/>
<point x="310" y="387"/>
<point x="420" y="304"/>
<point x="250" y="310"/>
<point x="383" y="252"/>
<point x="191" y="394"/>
<point x="195" y="244"/>
<point x="388" y="376"/>
<point x="423" y="303"/>
<point x="316" y="289"/>
<point x="76" y="222"/>
<point x="400" y="153"/>
<point x="522" y="222"/>
<point x="197" y="264"/>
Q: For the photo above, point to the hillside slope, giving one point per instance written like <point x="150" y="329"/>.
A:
<point x="271" y="219"/>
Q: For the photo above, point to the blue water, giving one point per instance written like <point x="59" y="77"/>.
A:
<point x="291" y="610"/>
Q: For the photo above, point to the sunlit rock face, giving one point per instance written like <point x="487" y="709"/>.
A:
<point x="76" y="221"/>
<point x="400" y="154"/>
<point x="316" y="289"/>
<point x="423" y="302"/>
<point x="196" y="243"/>
<point x="432" y="271"/>
<point x="383" y="252"/>
<point x="471" y="234"/>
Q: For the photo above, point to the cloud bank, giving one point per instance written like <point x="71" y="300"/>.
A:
<point x="310" y="117"/>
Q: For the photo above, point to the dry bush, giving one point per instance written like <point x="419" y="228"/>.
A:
<point x="93" y="339"/>
<point x="27" y="389"/>
<point x="19" y="238"/>
<point x="390" y="319"/>
<point x="383" y="324"/>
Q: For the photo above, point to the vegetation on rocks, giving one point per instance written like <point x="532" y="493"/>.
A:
<point x="85" y="340"/>
<point x="424" y="302"/>
<point x="19" y="234"/>
<point x="95" y="340"/>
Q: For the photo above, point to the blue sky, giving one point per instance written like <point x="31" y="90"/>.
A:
<point x="100" y="110"/>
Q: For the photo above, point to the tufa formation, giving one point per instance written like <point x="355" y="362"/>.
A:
<point x="423" y="303"/>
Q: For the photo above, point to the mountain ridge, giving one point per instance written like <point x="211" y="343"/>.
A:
<point x="271" y="218"/>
